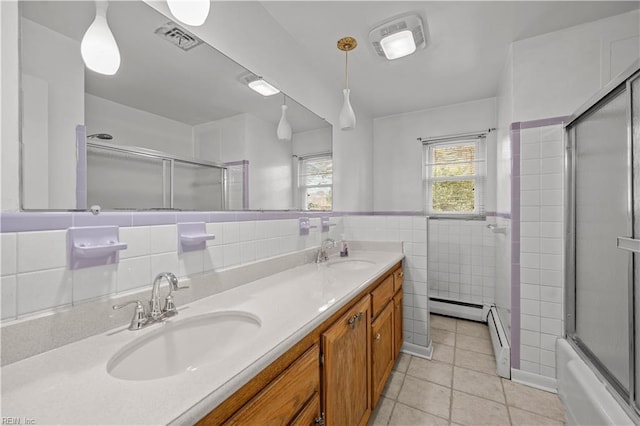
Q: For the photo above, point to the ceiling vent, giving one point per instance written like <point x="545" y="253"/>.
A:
<point x="388" y="38"/>
<point x="178" y="36"/>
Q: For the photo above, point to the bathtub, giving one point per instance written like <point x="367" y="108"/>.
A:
<point x="586" y="398"/>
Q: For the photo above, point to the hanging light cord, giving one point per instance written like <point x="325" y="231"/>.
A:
<point x="346" y="69"/>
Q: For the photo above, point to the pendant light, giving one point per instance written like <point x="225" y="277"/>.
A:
<point x="347" y="119"/>
<point x="190" y="12"/>
<point x="284" y="128"/>
<point x="99" y="49"/>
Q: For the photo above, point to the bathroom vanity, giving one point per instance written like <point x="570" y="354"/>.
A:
<point x="311" y="343"/>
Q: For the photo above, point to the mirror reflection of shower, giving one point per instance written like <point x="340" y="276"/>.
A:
<point x="100" y="136"/>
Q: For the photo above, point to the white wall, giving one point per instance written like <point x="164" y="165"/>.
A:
<point x="504" y="104"/>
<point x="270" y="171"/>
<point x="557" y="72"/>
<point x="312" y="142"/>
<point x="397" y="180"/>
<point x="9" y="113"/>
<point x="221" y="140"/>
<point x="56" y="60"/>
<point x="133" y="127"/>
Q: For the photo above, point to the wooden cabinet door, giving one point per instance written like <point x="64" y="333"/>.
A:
<point x="382" y="350"/>
<point x="286" y="396"/>
<point x="397" y="322"/>
<point x="346" y="386"/>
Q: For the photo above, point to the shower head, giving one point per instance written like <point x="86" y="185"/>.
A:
<point x="101" y="136"/>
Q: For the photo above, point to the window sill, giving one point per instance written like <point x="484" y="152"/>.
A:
<point x="457" y="216"/>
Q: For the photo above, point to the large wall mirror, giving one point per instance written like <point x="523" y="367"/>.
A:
<point x="177" y="127"/>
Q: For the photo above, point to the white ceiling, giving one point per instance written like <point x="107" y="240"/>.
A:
<point x="466" y="51"/>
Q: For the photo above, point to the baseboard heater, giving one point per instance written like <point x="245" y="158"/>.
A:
<point x="501" y="348"/>
<point x="457" y="308"/>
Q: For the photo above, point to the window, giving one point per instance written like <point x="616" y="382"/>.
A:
<point x="455" y="175"/>
<point x="315" y="179"/>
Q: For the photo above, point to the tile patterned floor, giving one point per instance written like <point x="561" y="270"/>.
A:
<point x="459" y="386"/>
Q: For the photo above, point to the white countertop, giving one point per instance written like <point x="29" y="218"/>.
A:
<point x="71" y="385"/>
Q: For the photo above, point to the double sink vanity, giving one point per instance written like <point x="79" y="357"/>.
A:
<point x="311" y="344"/>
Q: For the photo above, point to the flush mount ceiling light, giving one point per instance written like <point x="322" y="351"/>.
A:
<point x="258" y="84"/>
<point x="262" y="87"/>
<point x="284" y="128"/>
<point x="347" y="119"/>
<point x="399" y="37"/>
<point x="190" y="12"/>
<point x="98" y="48"/>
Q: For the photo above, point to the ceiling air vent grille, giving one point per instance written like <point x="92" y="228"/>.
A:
<point x="178" y="36"/>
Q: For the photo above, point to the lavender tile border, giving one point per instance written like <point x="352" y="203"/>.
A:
<point x="514" y="135"/>
<point x="47" y="221"/>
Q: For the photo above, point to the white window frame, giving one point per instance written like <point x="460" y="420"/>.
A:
<point x="302" y="189"/>
<point x="479" y="178"/>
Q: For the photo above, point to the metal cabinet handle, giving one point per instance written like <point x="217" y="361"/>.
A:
<point x="378" y="337"/>
<point x="401" y="274"/>
<point x="352" y="321"/>
<point x="628" y="244"/>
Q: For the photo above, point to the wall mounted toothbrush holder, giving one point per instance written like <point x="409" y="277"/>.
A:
<point x="93" y="246"/>
<point x="305" y="225"/>
<point x="193" y="236"/>
<point x="325" y="224"/>
<point x="497" y="229"/>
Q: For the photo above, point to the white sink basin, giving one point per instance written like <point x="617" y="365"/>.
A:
<point x="184" y="345"/>
<point x="350" y="264"/>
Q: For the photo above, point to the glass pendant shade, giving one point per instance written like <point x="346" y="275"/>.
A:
<point x="99" y="49"/>
<point x="284" y="128"/>
<point x="347" y="118"/>
<point x="190" y="12"/>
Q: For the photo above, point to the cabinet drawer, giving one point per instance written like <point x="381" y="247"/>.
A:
<point x="398" y="278"/>
<point x="381" y="295"/>
<point x="278" y="403"/>
<point x="309" y="414"/>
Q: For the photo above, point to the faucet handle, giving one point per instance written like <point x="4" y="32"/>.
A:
<point x="139" y="315"/>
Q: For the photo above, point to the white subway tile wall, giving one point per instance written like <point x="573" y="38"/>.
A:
<point x="541" y="244"/>
<point x="462" y="264"/>
<point x="35" y="277"/>
<point x="412" y="231"/>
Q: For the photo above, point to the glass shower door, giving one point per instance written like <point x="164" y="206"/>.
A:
<point x="602" y="213"/>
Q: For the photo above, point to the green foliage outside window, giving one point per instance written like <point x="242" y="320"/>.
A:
<point x="450" y="164"/>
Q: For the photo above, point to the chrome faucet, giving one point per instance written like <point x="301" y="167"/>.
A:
<point x="322" y="255"/>
<point x="141" y="317"/>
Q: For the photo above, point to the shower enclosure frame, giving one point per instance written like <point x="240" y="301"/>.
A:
<point x="622" y="83"/>
<point x="168" y="167"/>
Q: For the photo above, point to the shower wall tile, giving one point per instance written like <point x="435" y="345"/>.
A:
<point x="541" y="245"/>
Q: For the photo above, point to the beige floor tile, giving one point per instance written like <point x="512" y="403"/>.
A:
<point x="534" y="400"/>
<point x="402" y="363"/>
<point x="472" y="328"/>
<point x="471" y="410"/>
<point x="442" y="322"/>
<point x="443" y="336"/>
<point x="407" y="416"/>
<point x="475" y="361"/>
<point x="382" y="412"/>
<point x="393" y="385"/>
<point x="478" y="384"/>
<point x="426" y="396"/>
<point x="433" y="371"/>
<point x="525" y="418"/>
<point x="474" y="344"/>
<point x="443" y="353"/>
